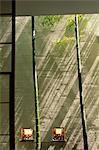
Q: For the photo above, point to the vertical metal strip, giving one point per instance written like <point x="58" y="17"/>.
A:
<point x="12" y="83"/>
<point x="37" y="115"/>
<point x="85" y="139"/>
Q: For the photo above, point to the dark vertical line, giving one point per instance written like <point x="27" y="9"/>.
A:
<point x="12" y="83"/>
<point x="37" y="115"/>
<point x="85" y="139"/>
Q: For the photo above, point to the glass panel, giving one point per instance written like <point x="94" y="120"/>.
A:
<point x="90" y="74"/>
<point x="4" y="88"/>
<point x="24" y="101"/>
<point x="4" y="112"/>
<point x="4" y="119"/>
<point x="4" y="139"/>
<point x="5" y="57"/>
<point x="5" y="29"/>
<point x="57" y="78"/>
<point x="4" y="145"/>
